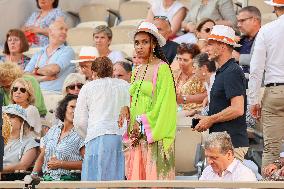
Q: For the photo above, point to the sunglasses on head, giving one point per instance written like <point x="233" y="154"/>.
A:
<point x="72" y="87"/>
<point x="22" y="90"/>
<point x="162" y="18"/>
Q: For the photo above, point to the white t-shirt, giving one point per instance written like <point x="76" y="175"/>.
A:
<point x="115" y="56"/>
<point x="159" y="10"/>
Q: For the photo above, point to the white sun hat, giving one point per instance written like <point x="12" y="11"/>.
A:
<point x="152" y="29"/>
<point x="87" y="53"/>
<point x="224" y="34"/>
<point x="275" y="3"/>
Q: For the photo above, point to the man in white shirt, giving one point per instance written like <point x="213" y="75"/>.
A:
<point x="268" y="56"/>
<point x="223" y="166"/>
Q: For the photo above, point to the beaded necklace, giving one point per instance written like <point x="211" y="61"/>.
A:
<point x="143" y="77"/>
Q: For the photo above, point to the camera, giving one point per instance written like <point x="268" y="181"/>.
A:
<point x="195" y="121"/>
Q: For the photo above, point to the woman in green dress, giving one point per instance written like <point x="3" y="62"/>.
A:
<point x="151" y="117"/>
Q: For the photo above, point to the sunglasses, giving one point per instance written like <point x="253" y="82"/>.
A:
<point x="207" y="30"/>
<point x="22" y="90"/>
<point x="72" y="87"/>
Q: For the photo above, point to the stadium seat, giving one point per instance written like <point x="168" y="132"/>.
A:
<point x="91" y="24"/>
<point x="94" y="12"/>
<point x="122" y="34"/>
<point x="80" y="36"/>
<point x="127" y="48"/>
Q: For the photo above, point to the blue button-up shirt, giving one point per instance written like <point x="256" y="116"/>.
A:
<point x="62" y="57"/>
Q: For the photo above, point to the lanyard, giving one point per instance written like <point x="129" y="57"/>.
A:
<point x="48" y="57"/>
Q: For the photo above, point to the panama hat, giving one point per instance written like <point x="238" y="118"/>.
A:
<point x="152" y="29"/>
<point x="275" y="3"/>
<point x="224" y="34"/>
<point x="87" y="53"/>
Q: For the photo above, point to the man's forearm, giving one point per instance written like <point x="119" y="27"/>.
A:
<point x="47" y="72"/>
<point x="227" y="114"/>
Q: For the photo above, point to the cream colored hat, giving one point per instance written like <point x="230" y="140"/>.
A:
<point x="152" y="29"/>
<point x="87" y="53"/>
<point x="224" y="34"/>
<point x="275" y="3"/>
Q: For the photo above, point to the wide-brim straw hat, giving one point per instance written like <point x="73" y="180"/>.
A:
<point x="275" y="3"/>
<point x="224" y="34"/>
<point x="87" y="53"/>
<point x="152" y="29"/>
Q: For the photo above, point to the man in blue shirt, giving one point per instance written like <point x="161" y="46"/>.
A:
<point x="249" y="23"/>
<point x="51" y="65"/>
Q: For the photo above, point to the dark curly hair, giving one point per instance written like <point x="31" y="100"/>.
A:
<point x="203" y="60"/>
<point x="62" y="106"/>
<point x="103" y="67"/>
<point x="54" y="4"/>
<point x="189" y="48"/>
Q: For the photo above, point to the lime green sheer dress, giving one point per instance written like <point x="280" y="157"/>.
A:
<point x="155" y="102"/>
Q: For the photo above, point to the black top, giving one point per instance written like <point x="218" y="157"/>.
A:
<point x="246" y="45"/>
<point x="229" y="82"/>
<point x="170" y="50"/>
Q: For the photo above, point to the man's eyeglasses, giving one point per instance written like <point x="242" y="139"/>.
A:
<point x="22" y="90"/>
<point x="244" y="19"/>
<point x="78" y="85"/>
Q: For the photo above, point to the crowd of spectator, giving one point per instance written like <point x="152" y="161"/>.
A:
<point x="115" y="116"/>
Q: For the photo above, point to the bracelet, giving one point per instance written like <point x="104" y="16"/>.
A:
<point x="34" y="173"/>
<point x="278" y="164"/>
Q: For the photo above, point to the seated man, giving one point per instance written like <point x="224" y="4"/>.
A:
<point x="223" y="166"/>
<point x="275" y="170"/>
<point x="52" y="64"/>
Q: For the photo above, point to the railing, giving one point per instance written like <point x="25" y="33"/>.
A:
<point x="158" y="184"/>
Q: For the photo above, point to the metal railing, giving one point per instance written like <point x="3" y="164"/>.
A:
<point x="158" y="184"/>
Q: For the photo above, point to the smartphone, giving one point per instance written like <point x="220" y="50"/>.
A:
<point x="195" y="121"/>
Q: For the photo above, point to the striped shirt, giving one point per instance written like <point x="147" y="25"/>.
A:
<point x="68" y="149"/>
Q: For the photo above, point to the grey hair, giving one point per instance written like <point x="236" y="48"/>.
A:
<point x="220" y="140"/>
<point x="104" y="29"/>
<point x="252" y="10"/>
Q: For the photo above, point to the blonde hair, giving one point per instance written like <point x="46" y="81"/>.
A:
<point x="28" y="87"/>
<point x="72" y="79"/>
<point x="10" y="71"/>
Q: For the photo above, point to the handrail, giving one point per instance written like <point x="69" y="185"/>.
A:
<point x="155" y="183"/>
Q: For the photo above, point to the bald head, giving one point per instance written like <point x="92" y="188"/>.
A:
<point x="163" y="26"/>
<point x="58" y="31"/>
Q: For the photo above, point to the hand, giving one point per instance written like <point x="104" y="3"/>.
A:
<point x="255" y="111"/>
<point x="180" y="99"/>
<point x="124" y="115"/>
<point x="281" y="171"/>
<point x="54" y="163"/>
<point x="205" y="123"/>
<point x="269" y="170"/>
<point x="190" y="113"/>
<point x="205" y="102"/>
<point x="190" y="27"/>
